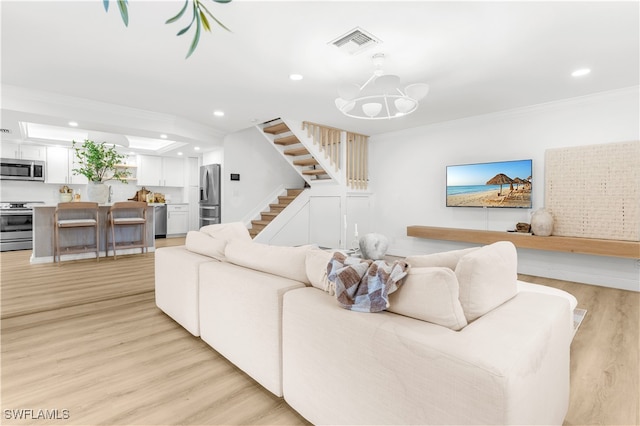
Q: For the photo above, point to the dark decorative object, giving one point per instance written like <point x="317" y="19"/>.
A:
<point x="523" y="227"/>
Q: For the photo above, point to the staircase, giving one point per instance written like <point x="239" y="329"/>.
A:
<point x="274" y="210"/>
<point x="297" y="153"/>
<point x="325" y="157"/>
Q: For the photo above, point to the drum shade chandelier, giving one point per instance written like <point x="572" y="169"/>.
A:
<point x="380" y="97"/>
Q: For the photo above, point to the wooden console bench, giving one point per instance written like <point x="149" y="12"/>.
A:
<point x="598" y="247"/>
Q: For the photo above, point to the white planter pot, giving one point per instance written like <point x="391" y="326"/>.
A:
<point x="97" y="192"/>
<point x="66" y="197"/>
<point x="542" y="223"/>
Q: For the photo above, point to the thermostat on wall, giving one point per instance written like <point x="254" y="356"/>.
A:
<point x="235" y="176"/>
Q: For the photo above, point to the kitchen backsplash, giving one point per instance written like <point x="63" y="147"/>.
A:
<point x="49" y="193"/>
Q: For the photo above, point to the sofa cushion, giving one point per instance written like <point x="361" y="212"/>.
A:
<point x="227" y="231"/>
<point x="487" y="278"/>
<point x="288" y="262"/>
<point x="448" y="259"/>
<point x="204" y="244"/>
<point x="316" y="262"/>
<point x="430" y="294"/>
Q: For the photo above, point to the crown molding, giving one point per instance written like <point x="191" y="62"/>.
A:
<point x="559" y="104"/>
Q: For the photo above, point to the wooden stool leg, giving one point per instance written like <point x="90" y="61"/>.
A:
<point x="144" y="237"/>
<point x="113" y="238"/>
<point x="97" y="241"/>
<point x="55" y="242"/>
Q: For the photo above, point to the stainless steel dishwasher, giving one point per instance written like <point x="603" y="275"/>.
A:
<point x="160" y="221"/>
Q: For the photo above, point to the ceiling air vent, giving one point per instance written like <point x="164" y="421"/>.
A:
<point x="355" y="41"/>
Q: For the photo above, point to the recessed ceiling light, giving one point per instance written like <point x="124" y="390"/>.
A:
<point x="163" y="136"/>
<point x="180" y="153"/>
<point x="580" y="72"/>
<point x="295" y="77"/>
<point x="218" y="113"/>
<point x="73" y="123"/>
<point x="196" y="148"/>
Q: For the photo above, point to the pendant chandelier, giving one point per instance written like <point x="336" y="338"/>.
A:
<point x="380" y="97"/>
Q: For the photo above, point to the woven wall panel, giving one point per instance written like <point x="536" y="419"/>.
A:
<point x="594" y="191"/>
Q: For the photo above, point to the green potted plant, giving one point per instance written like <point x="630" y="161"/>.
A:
<point x="99" y="162"/>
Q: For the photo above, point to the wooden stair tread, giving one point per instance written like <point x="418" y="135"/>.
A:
<point x="276" y="129"/>
<point x="275" y="209"/>
<point x="306" y="162"/>
<point x="287" y="140"/>
<point x="296" y="151"/>
<point x="314" y="172"/>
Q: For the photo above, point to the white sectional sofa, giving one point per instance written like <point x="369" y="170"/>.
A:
<point x="462" y="341"/>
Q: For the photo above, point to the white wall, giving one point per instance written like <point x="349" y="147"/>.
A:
<point x="407" y="170"/>
<point x="262" y="170"/>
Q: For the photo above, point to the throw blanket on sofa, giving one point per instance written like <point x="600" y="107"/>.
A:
<point x="364" y="285"/>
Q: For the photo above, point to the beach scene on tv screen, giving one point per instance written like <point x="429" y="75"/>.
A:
<point x="498" y="184"/>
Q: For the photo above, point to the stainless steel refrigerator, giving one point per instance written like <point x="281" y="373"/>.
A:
<point x="209" y="194"/>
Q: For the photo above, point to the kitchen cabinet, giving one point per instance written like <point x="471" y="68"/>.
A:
<point x="173" y="171"/>
<point x="177" y="219"/>
<point x="149" y="170"/>
<point x="160" y="171"/>
<point x="60" y="164"/>
<point x="23" y="151"/>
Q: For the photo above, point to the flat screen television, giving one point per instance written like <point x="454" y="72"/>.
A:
<point x="498" y="184"/>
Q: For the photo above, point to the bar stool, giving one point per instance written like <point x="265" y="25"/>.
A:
<point x="74" y="215"/>
<point x="127" y="214"/>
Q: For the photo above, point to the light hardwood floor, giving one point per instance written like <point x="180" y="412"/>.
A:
<point x="86" y="337"/>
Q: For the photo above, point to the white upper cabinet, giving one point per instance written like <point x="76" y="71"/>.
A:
<point x="160" y="171"/>
<point x="57" y="165"/>
<point x="173" y="171"/>
<point x="149" y="170"/>
<point x="33" y="152"/>
<point x="73" y="163"/>
<point x="23" y="151"/>
<point x="60" y="163"/>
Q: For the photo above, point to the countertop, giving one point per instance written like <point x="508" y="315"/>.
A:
<point x="39" y="206"/>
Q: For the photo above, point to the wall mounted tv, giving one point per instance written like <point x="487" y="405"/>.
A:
<point x="498" y="184"/>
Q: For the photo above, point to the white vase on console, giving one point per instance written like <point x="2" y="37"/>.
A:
<point x="542" y="223"/>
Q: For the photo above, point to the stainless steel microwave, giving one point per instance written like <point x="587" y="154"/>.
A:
<point x="14" y="169"/>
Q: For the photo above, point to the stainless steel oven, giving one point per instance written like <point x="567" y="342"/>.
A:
<point x="16" y="226"/>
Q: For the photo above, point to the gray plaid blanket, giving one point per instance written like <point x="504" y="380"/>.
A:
<point x="364" y="285"/>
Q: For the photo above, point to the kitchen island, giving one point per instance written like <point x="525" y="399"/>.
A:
<point x="43" y="235"/>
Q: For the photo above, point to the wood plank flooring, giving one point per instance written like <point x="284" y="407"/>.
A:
<point x="94" y="343"/>
<point x="605" y="361"/>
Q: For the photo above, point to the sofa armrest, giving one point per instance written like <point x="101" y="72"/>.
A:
<point x="176" y="285"/>
<point x="510" y="366"/>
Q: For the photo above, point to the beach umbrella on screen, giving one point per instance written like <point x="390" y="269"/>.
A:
<point x="518" y="181"/>
<point x="500" y="179"/>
